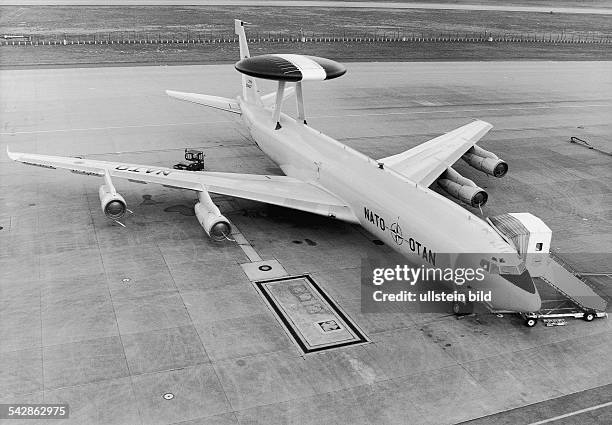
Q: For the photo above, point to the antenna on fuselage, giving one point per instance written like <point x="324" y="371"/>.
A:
<point x="290" y="68"/>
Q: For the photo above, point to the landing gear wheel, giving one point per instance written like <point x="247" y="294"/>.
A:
<point x="530" y="322"/>
<point x="461" y="309"/>
<point x="589" y="316"/>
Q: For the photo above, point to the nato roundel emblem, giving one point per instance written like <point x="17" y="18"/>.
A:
<point x="396" y="233"/>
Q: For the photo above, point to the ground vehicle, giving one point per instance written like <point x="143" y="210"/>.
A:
<point x="196" y="159"/>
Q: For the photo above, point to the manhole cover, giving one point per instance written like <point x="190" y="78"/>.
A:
<point x="265" y="268"/>
<point x="126" y="280"/>
<point x="168" y="396"/>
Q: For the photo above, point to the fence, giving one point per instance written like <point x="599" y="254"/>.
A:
<point x="134" y="38"/>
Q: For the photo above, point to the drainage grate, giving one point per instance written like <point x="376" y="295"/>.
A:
<point x="309" y="315"/>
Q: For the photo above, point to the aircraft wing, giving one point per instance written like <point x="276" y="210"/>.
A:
<point x="424" y="163"/>
<point x="278" y="190"/>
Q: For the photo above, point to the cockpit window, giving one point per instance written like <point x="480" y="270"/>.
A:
<point x="484" y="264"/>
<point x="490" y="267"/>
<point x="494" y="268"/>
<point x="507" y="270"/>
<point x="518" y="269"/>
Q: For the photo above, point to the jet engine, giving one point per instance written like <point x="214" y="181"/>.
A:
<point x="485" y="161"/>
<point x="216" y="226"/>
<point x="462" y="188"/>
<point x="112" y="203"/>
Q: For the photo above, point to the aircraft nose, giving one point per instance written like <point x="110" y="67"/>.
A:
<point x="528" y="303"/>
<point x="533" y="303"/>
<point x="527" y="298"/>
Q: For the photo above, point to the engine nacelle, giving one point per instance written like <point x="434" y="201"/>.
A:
<point x="113" y="205"/>
<point x="485" y="161"/>
<point x="462" y="188"/>
<point x="215" y="225"/>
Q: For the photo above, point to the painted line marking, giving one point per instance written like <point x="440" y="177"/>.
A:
<point x="577" y="412"/>
<point x="244" y="244"/>
<point x="63" y="130"/>
<point x="432" y="111"/>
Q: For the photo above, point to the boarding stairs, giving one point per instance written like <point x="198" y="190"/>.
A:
<point x="572" y="287"/>
<point x="532" y="239"/>
<point x="583" y="301"/>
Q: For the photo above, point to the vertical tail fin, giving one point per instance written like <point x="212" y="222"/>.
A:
<point x="239" y="30"/>
<point x="249" y="87"/>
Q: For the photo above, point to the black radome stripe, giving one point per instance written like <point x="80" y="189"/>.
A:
<point x="272" y="67"/>
<point x="269" y="67"/>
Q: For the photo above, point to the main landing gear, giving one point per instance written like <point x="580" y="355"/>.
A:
<point x="462" y="308"/>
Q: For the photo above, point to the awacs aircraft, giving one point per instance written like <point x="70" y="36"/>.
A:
<point x="389" y="197"/>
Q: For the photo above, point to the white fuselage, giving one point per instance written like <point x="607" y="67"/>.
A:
<point x="417" y="222"/>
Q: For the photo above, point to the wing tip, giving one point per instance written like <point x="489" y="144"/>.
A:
<point x="486" y="124"/>
<point x="175" y="94"/>
<point x="178" y="95"/>
<point x="11" y="155"/>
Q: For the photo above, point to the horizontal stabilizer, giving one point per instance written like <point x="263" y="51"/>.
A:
<point x="223" y="103"/>
<point x="270" y="98"/>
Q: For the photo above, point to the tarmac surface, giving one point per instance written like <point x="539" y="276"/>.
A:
<point x="111" y="319"/>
